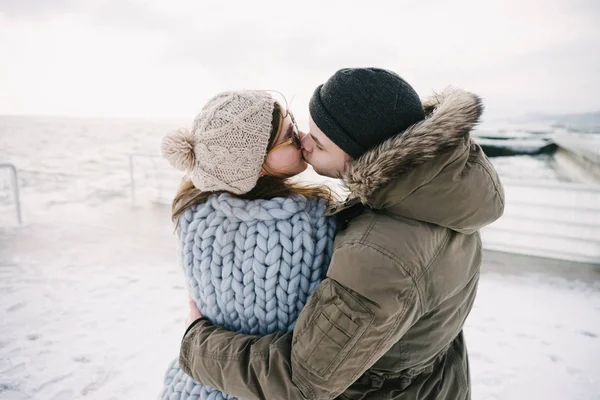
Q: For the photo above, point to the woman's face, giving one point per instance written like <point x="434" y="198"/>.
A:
<point x="285" y="156"/>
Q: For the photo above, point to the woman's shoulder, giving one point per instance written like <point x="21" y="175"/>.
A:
<point x="230" y="206"/>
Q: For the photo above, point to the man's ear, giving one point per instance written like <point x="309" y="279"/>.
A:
<point x="347" y="162"/>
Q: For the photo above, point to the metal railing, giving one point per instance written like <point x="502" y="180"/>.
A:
<point x="150" y="174"/>
<point x="548" y="219"/>
<point x="553" y="220"/>
<point x="15" y="188"/>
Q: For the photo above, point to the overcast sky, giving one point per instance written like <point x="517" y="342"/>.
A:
<point x="135" y="58"/>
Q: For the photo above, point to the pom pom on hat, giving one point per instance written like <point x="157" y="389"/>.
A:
<point x="178" y="149"/>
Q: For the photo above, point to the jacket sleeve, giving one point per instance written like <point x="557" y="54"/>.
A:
<point x="355" y="315"/>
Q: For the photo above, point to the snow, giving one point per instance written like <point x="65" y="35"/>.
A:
<point x="92" y="303"/>
<point x="536" y="169"/>
<point x="535" y="334"/>
<point x="525" y="144"/>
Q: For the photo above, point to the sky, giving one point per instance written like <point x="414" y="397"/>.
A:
<point x="133" y="58"/>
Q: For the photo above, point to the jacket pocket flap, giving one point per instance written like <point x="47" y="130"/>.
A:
<point x="326" y="341"/>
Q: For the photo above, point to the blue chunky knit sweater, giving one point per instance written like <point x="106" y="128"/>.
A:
<point x="250" y="267"/>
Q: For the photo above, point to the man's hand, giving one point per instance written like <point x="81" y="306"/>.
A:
<point x="194" y="313"/>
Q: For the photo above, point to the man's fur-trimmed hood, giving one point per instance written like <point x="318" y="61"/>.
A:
<point x="450" y="116"/>
<point x="433" y="171"/>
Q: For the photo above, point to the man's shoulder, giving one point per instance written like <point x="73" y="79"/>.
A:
<point x="409" y="243"/>
<point x="390" y="231"/>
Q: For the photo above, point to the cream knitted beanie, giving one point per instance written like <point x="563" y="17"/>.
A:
<point x="227" y="145"/>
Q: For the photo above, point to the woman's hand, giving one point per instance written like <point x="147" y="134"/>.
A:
<point x="194" y="312"/>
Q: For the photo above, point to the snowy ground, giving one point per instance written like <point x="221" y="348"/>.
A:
<point x="92" y="306"/>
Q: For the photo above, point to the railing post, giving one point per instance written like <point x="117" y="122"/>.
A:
<point x="15" y="188"/>
<point x="131" y="178"/>
<point x="168" y="180"/>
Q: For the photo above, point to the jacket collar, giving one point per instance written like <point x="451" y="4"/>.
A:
<point x="450" y="117"/>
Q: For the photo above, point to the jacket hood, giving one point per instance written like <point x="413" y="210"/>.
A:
<point x="433" y="171"/>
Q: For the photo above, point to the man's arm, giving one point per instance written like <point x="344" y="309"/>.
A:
<point x="364" y="306"/>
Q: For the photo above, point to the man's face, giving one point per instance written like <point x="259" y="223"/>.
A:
<point x="326" y="157"/>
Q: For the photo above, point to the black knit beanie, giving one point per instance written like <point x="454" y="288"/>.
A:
<point x="359" y="108"/>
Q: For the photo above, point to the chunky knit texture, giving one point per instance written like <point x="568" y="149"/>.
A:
<point x="251" y="266"/>
<point x="227" y="145"/>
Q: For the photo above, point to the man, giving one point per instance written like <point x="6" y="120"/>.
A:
<point x="387" y="321"/>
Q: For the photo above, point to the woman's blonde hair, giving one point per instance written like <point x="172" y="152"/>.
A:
<point x="267" y="187"/>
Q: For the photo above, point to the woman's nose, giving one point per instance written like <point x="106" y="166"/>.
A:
<point x="307" y="142"/>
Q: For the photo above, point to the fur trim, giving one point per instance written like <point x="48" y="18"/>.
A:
<point x="450" y="117"/>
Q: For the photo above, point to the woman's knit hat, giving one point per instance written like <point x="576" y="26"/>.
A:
<point x="227" y="145"/>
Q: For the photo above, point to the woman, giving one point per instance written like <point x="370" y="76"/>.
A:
<point x="253" y="244"/>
